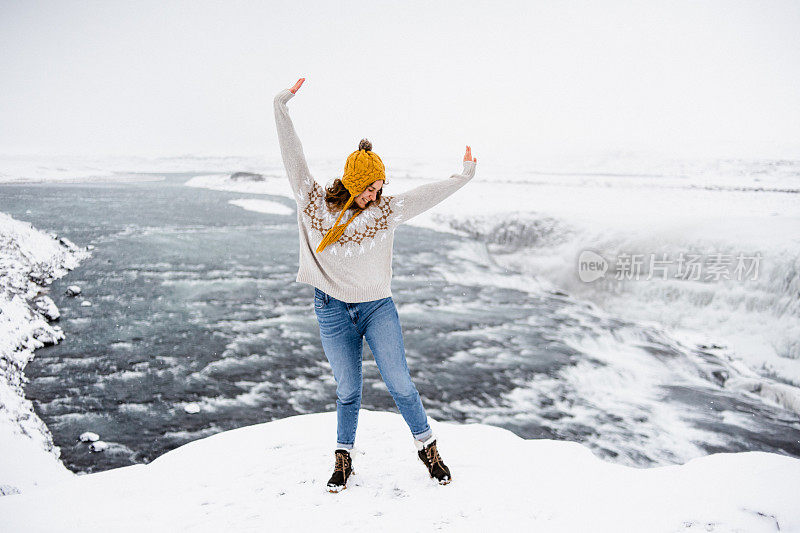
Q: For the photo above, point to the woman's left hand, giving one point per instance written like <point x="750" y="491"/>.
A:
<point x="468" y="155"/>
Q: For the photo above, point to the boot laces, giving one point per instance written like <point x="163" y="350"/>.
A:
<point x="433" y="455"/>
<point x="341" y="462"/>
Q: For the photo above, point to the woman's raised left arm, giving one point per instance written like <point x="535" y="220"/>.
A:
<point x="422" y="198"/>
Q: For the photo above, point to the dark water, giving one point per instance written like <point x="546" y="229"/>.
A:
<point x="194" y="300"/>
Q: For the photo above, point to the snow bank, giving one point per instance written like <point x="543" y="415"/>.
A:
<point x="262" y="206"/>
<point x="64" y="168"/>
<point x="272" y="476"/>
<point x="29" y="260"/>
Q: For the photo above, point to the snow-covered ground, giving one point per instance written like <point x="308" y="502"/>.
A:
<point x="29" y="261"/>
<point x="272" y="476"/>
<point x="60" y="168"/>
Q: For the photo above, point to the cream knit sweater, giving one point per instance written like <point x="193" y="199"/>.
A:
<point x="358" y="267"/>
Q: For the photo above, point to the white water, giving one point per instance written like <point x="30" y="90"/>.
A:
<point x="537" y="218"/>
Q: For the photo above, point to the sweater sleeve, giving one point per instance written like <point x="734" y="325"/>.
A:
<point x="291" y="149"/>
<point x="422" y="198"/>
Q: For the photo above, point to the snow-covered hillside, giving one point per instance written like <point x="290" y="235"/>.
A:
<point x="29" y="261"/>
<point x="271" y="477"/>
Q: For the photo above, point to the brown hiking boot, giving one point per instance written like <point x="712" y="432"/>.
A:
<point x="341" y="471"/>
<point x="436" y="467"/>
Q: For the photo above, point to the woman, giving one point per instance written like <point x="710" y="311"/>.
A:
<point x="350" y="266"/>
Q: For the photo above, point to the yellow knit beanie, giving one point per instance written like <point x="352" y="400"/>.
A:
<point x="361" y="169"/>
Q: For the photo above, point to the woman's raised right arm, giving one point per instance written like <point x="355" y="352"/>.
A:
<point x="291" y="149"/>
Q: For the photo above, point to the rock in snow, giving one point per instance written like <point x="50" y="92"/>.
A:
<point x="47" y="308"/>
<point x="98" y="446"/>
<point x="89" y="437"/>
<point x="271" y="477"/>
<point x="246" y="176"/>
<point x="73" y="290"/>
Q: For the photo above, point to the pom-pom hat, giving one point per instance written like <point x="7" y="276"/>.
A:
<point x="362" y="168"/>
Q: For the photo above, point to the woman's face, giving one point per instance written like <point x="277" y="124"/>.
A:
<point x="369" y="194"/>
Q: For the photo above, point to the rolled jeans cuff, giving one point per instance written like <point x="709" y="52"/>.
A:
<point x="425" y="435"/>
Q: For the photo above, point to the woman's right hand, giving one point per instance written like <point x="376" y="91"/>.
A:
<point x="297" y="85"/>
<point x="468" y="156"/>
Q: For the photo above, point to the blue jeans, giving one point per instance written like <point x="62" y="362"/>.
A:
<point x="342" y="328"/>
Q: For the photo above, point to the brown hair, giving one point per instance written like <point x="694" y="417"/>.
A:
<point x="337" y="195"/>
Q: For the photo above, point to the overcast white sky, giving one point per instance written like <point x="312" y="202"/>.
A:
<point x="418" y="78"/>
